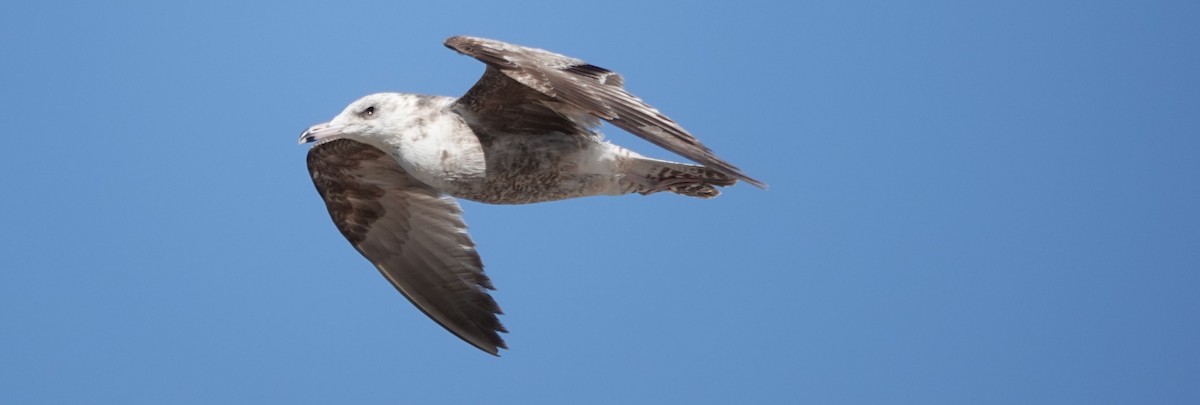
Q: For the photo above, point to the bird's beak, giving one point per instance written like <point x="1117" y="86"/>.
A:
<point x="320" y="132"/>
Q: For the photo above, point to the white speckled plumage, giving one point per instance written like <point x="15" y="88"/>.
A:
<point x="387" y="165"/>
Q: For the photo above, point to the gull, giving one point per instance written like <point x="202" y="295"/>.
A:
<point x="390" y="166"/>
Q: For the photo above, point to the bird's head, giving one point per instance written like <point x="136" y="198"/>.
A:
<point x="373" y="120"/>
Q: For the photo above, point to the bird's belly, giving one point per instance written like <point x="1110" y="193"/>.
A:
<point x="529" y="169"/>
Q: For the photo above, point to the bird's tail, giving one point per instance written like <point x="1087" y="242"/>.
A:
<point x="649" y="176"/>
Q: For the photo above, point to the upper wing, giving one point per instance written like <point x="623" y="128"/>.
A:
<point x="415" y="237"/>
<point x="578" y="92"/>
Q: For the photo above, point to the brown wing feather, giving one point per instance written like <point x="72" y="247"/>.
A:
<point x="573" y="88"/>
<point x="415" y="236"/>
<point x="497" y="103"/>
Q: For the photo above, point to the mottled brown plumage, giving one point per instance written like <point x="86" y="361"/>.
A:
<point x="413" y="234"/>
<point x="579" y="92"/>
<point x="524" y="133"/>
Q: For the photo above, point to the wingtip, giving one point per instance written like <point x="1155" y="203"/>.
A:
<point x="755" y="183"/>
<point x="493" y="348"/>
<point x="488" y="342"/>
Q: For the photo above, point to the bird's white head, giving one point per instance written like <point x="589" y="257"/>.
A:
<point x="377" y="120"/>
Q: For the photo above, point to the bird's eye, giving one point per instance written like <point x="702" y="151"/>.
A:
<point x="368" y="113"/>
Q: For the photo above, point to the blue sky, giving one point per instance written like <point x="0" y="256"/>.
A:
<point x="969" y="203"/>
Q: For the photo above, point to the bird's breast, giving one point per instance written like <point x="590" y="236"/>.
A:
<point x="442" y="152"/>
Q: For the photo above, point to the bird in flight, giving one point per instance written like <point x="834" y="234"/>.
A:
<point x="390" y="166"/>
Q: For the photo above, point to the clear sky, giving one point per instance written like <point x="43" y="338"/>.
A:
<point x="969" y="203"/>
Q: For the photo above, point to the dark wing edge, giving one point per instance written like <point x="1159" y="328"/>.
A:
<point x="414" y="235"/>
<point x="594" y="90"/>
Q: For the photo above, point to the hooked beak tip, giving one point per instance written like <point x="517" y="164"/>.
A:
<point x="319" y="132"/>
